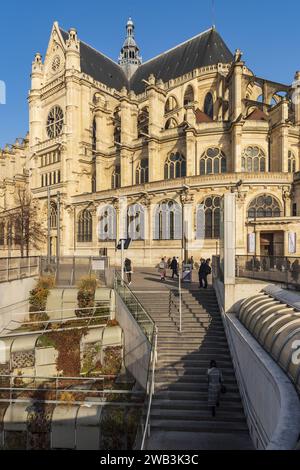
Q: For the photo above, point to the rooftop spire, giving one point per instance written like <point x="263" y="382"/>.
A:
<point x="129" y="57"/>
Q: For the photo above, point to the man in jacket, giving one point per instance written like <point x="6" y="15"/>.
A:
<point x="174" y="267"/>
<point x="204" y="271"/>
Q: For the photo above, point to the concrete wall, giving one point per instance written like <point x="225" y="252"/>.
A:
<point x="270" y="399"/>
<point x="137" y="348"/>
<point x="14" y="300"/>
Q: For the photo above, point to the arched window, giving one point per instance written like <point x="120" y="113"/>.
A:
<point x="117" y="125"/>
<point x="175" y="166"/>
<point x="18" y="232"/>
<point x="84" y="226"/>
<point x="55" y="121"/>
<point x="141" y="172"/>
<point x="53" y="215"/>
<point x="264" y="205"/>
<point x="136" y="222"/>
<point x="171" y="104"/>
<point x="9" y="234"/>
<point x="208" y="214"/>
<point x="253" y="159"/>
<point x="209" y="105"/>
<point x="171" y="123"/>
<point x="213" y="160"/>
<point x="291" y="162"/>
<point x="168" y="221"/>
<point x="107" y="223"/>
<point x="2" y="233"/>
<point x="94" y="135"/>
<point x="188" y="96"/>
<point x="143" y="122"/>
<point x="116" y="178"/>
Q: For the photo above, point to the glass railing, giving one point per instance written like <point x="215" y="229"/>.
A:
<point x="134" y="306"/>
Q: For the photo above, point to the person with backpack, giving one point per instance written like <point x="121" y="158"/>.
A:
<point x="162" y="269"/>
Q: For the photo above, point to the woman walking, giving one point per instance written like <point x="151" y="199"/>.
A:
<point x="215" y="381"/>
<point x="162" y="269"/>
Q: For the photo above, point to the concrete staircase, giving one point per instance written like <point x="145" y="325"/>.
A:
<point x="180" y="400"/>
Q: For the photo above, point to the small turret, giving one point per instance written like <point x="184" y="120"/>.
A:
<point x="130" y="57"/>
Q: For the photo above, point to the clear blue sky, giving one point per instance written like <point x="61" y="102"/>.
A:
<point x="266" y="30"/>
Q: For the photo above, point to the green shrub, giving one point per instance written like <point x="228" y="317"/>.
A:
<point x="86" y="296"/>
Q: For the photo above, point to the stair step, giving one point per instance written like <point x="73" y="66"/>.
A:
<point x="198" y="415"/>
<point x="193" y="405"/>
<point x="182" y="385"/>
<point x="199" y="426"/>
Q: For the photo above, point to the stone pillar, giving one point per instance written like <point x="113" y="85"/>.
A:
<point x="191" y="165"/>
<point x="236" y="87"/>
<point x="257" y="242"/>
<point x="296" y="97"/>
<point x="284" y="136"/>
<point x="35" y="109"/>
<point x="129" y="112"/>
<point x="286" y="243"/>
<point x="235" y="164"/>
<point x="156" y="99"/>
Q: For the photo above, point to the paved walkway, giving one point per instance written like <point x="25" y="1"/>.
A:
<point x="149" y="279"/>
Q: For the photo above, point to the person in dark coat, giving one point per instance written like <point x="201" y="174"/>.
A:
<point x="174" y="267"/>
<point x="204" y="271"/>
<point x="201" y="272"/>
<point x="128" y="269"/>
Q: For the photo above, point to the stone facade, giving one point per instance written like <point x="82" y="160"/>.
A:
<point x="133" y="151"/>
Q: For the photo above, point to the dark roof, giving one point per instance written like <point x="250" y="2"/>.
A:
<point x="205" y="49"/>
<point x="100" y="67"/>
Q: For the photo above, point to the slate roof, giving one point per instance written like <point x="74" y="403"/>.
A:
<point x="205" y="49"/>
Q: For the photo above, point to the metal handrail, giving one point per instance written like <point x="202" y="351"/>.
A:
<point x="150" y="387"/>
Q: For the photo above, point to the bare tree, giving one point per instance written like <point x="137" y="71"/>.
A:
<point x="29" y="232"/>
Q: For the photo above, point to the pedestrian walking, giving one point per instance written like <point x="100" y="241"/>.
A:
<point x="201" y="272"/>
<point x="128" y="269"/>
<point x="215" y="386"/>
<point x="162" y="269"/>
<point x="174" y="267"/>
<point x="204" y="271"/>
<point x="192" y="262"/>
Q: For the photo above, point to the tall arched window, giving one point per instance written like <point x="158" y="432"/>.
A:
<point x="18" y="232"/>
<point x="213" y="160"/>
<point x="117" y="125"/>
<point x="136" y="222"/>
<point x="208" y="217"/>
<point x="188" y="96"/>
<point x="171" y="104"/>
<point x="143" y="122"/>
<point x="94" y="135"/>
<point x="107" y="223"/>
<point x="9" y="233"/>
<point x="171" y="123"/>
<point x="53" y="215"/>
<point x="175" y="166"/>
<point x="209" y="105"/>
<point x="2" y="233"/>
<point x="116" y="177"/>
<point x="141" y="172"/>
<point x="253" y="159"/>
<point x="291" y="162"/>
<point x="84" y="226"/>
<point x="264" y="205"/>
<point x="168" y="221"/>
